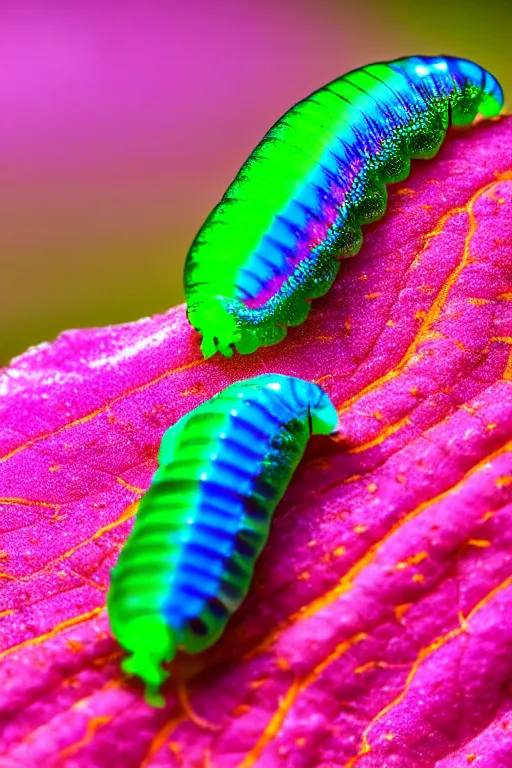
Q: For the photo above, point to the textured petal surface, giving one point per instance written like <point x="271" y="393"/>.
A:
<point x="378" y="631"/>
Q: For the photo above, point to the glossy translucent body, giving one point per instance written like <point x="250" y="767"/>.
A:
<point x="189" y="559"/>
<point x="297" y="204"/>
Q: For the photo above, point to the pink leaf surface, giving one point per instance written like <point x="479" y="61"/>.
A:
<point x="378" y="631"/>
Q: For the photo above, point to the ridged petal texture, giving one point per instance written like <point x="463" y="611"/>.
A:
<point x="378" y="631"/>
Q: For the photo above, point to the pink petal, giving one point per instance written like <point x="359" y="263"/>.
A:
<point x="378" y="630"/>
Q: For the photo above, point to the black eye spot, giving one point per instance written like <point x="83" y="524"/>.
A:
<point x="217" y="607"/>
<point x="198" y="627"/>
<point x="263" y="489"/>
<point x="244" y="547"/>
<point x="256" y="509"/>
<point x="238" y="570"/>
<point x="230" y="590"/>
<point x="256" y="512"/>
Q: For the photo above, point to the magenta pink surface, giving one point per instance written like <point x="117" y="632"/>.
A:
<point x="378" y="631"/>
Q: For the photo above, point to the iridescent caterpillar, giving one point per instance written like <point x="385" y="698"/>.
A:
<point x="295" y="208"/>
<point x="188" y="562"/>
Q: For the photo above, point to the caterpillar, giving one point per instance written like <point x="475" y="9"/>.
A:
<point x="188" y="562"/>
<point x="296" y="206"/>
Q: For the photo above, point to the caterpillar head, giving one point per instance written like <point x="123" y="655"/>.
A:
<point x="150" y="642"/>
<point x="216" y="324"/>
<point x="324" y="417"/>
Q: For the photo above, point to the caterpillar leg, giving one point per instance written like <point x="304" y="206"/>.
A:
<point x="210" y="345"/>
<point x="217" y="326"/>
<point x="151" y="643"/>
<point x="265" y="336"/>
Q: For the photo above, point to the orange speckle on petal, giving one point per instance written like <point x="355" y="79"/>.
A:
<point x="401" y="610"/>
<point x="75" y="645"/>
<point x="483" y="543"/>
<point x="412" y="560"/>
<point x="175" y="748"/>
<point x="241" y="709"/>
<point x="352" y="479"/>
<point x="419" y="557"/>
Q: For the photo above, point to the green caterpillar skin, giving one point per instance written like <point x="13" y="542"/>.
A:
<point x="188" y="562"/>
<point x="296" y="206"/>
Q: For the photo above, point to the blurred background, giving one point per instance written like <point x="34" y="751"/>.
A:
<point x="121" y="125"/>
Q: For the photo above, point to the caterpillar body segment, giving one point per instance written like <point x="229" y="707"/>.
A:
<point x="296" y="206"/>
<point x="188" y="562"/>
